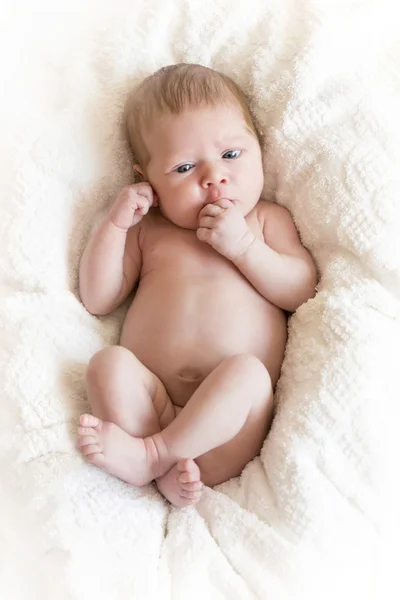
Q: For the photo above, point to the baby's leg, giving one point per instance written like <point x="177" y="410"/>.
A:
<point x="122" y="390"/>
<point x="225" y="422"/>
<point x="127" y="398"/>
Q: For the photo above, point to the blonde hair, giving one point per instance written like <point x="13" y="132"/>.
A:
<point x="174" y="89"/>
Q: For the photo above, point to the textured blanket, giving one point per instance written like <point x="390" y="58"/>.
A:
<point x="317" y="514"/>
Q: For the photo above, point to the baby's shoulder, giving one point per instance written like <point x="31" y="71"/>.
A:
<point x="154" y="229"/>
<point x="273" y="213"/>
<point x="276" y="222"/>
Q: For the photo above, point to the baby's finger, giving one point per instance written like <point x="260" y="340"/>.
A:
<point x="211" y="210"/>
<point x="145" y="192"/>
<point x="146" y="198"/>
<point x="207" y="222"/>
<point x="143" y="207"/>
<point x="143" y="203"/>
<point x="223" y="203"/>
<point x="204" y="234"/>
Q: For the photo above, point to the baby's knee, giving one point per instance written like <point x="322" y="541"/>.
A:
<point x="105" y="365"/>
<point x="252" y="367"/>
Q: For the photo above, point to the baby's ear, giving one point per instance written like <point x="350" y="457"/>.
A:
<point x="138" y="172"/>
<point x="140" y="176"/>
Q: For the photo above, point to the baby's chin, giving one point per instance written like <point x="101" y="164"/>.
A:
<point x="192" y="226"/>
<point x="190" y="223"/>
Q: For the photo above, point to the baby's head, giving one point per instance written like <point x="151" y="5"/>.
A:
<point x="191" y="131"/>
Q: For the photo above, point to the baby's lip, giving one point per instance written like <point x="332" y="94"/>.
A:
<point x="215" y="193"/>
<point x="222" y="198"/>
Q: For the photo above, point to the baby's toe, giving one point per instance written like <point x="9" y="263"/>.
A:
<point x="188" y="471"/>
<point x="188" y="477"/>
<point x="193" y="496"/>
<point x="89" y="421"/>
<point x="91" y="449"/>
<point x="191" y="486"/>
<point x="85" y="431"/>
<point x="86" y="441"/>
<point x="186" y="464"/>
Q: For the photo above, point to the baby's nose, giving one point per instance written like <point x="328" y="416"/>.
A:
<point x="213" y="175"/>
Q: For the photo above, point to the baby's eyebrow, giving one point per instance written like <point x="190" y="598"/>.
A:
<point x="187" y="156"/>
<point x="231" y="141"/>
<point x="179" y="159"/>
<point x="222" y="144"/>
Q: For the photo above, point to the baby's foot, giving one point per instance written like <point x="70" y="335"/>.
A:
<point x="181" y="485"/>
<point x="109" y="447"/>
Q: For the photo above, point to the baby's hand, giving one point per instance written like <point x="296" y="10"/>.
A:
<point x="223" y="226"/>
<point x="131" y="204"/>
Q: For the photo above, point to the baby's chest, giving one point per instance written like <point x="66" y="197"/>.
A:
<point x="183" y="253"/>
<point x="166" y="247"/>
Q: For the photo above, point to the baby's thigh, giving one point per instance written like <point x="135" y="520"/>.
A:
<point x="229" y="459"/>
<point x="122" y="389"/>
<point x="177" y="409"/>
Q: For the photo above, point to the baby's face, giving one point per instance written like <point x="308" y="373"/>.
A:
<point x="197" y="150"/>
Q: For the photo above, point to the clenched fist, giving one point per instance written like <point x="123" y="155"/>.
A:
<point x="131" y="204"/>
<point x="224" y="227"/>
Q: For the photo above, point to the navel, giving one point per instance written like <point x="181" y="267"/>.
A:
<point x="190" y="374"/>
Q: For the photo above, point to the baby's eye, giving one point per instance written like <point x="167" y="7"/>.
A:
<point x="183" y="168"/>
<point x="232" y="154"/>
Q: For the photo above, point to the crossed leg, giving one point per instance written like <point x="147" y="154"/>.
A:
<point x="127" y="398"/>
<point x="135" y="435"/>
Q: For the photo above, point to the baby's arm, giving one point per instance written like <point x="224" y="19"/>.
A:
<point x="280" y="268"/>
<point x="111" y="262"/>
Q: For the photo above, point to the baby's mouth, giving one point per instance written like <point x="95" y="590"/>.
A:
<point x="214" y="194"/>
<point x="229" y="200"/>
<point x="212" y="200"/>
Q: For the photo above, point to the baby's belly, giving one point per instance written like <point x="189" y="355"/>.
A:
<point x="181" y="333"/>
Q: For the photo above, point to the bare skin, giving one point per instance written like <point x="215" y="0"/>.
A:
<point x="187" y="397"/>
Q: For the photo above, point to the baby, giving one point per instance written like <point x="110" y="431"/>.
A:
<point x="186" y="399"/>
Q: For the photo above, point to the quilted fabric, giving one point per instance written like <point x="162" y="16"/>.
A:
<point x="316" y="515"/>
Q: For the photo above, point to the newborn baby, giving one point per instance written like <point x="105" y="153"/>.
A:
<point x="186" y="399"/>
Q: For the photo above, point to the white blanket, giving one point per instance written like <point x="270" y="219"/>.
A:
<point x="316" y="515"/>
